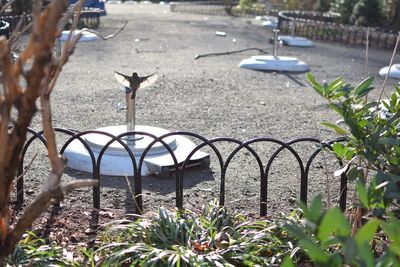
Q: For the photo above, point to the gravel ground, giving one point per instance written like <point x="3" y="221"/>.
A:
<point x="210" y="96"/>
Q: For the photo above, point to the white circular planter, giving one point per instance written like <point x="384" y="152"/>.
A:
<point x="394" y="72"/>
<point x="270" y="24"/>
<point x="295" y="41"/>
<point x="271" y="63"/>
<point x="86" y="36"/>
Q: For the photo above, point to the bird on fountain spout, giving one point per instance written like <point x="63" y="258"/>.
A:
<point x="134" y="82"/>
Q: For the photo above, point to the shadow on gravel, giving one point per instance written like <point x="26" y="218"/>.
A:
<point x="288" y="74"/>
<point x="151" y="185"/>
<point x="161" y="184"/>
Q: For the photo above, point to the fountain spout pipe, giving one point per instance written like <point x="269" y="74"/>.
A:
<point x="130" y="112"/>
<point x="131" y="116"/>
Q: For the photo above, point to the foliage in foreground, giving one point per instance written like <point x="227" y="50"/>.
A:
<point x="372" y="151"/>
<point x="215" y="237"/>
<point x="372" y="160"/>
<point x="327" y="240"/>
<point x="34" y="251"/>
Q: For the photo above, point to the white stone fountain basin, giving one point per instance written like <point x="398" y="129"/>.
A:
<point x="116" y="161"/>
<point x="271" y="63"/>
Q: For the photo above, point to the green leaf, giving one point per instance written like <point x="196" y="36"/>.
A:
<point x="317" y="87"/>
<point x="339" y="149"/>
<point x="336" y="107"/>
<point x="317" y="254"/>
<point x="362" y="123"/>
<point x="295" y="230"/>
<point x="362" y="193"/>
<point x="367" y="232"/>
<point x="334" y="223"/>
<point x="335" y="127"/>
<point x="349" y="250"/>
<point x="315" y="209"/>
<point x="355" y="173"/>
<point x="366" y="256"/>
<point x="313" y="213"/>
<point x="389" y="141"/>
<point x="287" y="262"/>
<point x="364" y="87"/>
<point x="334" y="85"/>
<point x="392" y="230"/>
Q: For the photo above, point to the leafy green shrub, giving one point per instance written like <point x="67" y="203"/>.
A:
<point x="368" y="13"/>
<point x="291" y="4"/>
<point x="215" y="237"/>
<point x="249" y="7"/>
<point x="372" y="152"/>
<point x="326" y="239"/>
<point x="372" y="157"/>
<point x="344" y="8"/>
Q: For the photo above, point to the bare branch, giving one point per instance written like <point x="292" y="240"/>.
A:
<point x="27" y="168"/>
<point x="39" y="205"/>
<point x="390" y="66"/>
<point x="108" y="36"/>
<point x="73" y="9"/>
<point x="67" y="188"/>
<point x="18" y="32"/>
<point x="70" y="44"/>
<point x="9" y="3"/>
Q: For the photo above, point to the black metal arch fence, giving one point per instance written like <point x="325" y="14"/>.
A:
<point x="178" y="169"/>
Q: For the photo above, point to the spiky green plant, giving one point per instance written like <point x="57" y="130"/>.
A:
<point x="34" y="251"/>
<point x="214" y="237"/>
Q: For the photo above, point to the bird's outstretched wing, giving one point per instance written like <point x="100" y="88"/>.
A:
<point x="122" y="79"/>
<point x="148" y="80"/>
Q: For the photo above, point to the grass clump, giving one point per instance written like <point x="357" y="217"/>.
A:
<point x="35" y="251"/>
<point x="211" y="237"/>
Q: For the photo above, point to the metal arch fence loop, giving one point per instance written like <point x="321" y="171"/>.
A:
<point x="264" y="178"/>
<point x="138" y="173"/>
<point x="303" y="173"/>
<point x="138" y="191"/>
<point x="78" y="136"/>
<point x="205" y="142"/>
<point x="343" y="177"/>
<point x="220" y="160"/>
<point x="179" y="168"/>
<point x="20" y="171"/>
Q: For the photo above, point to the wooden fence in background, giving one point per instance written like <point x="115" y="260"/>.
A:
<point x="321" y="26"/>
<point x="329" y="29"/>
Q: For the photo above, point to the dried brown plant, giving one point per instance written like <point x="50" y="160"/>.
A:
<point x="40" y="75"/>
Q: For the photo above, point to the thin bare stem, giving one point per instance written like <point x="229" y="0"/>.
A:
<point x="131" y="191"/>
<point x="18" y="32"/>
<point x="27" y="168"/>
<point x="108" y="36"/>
<point x="328" y="186"/>
<point x="9" y="3"/>
<point x="390" y="66"/>
<point x="70" y="45"/>
<point x="366" y="51"/>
